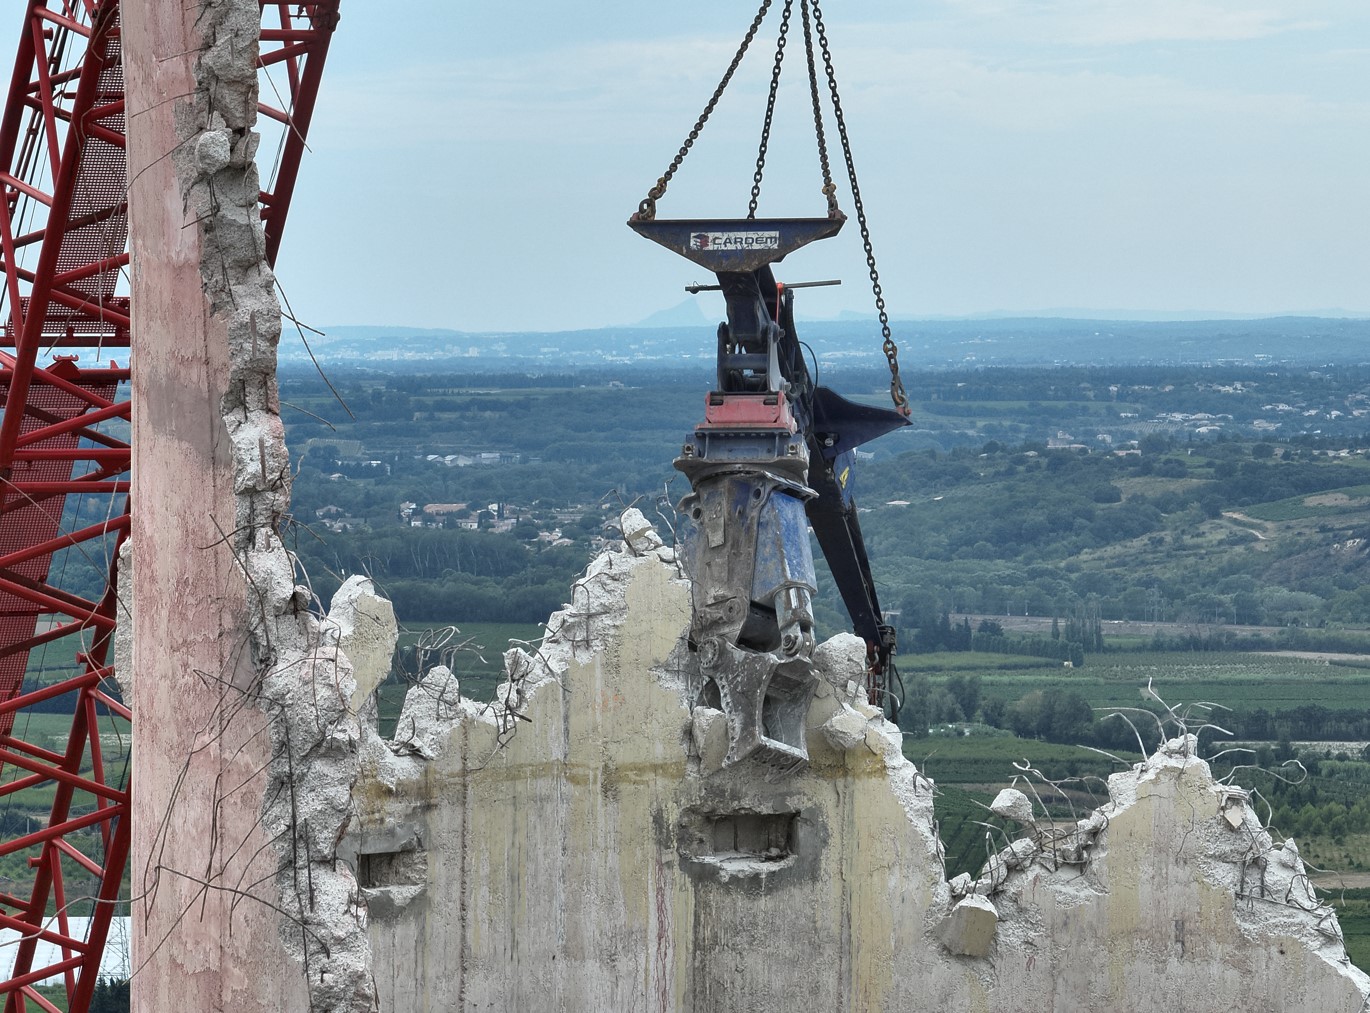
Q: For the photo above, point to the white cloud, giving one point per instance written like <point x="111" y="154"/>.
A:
<point x="1043" y="93"/>
<point x="1130" y="22"/>
<point x="1127" y="23"/>
<point x="616" y="94"/>
<point x="576" y="91"/>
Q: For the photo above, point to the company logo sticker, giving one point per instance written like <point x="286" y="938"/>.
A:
<point x="735" y="241"/>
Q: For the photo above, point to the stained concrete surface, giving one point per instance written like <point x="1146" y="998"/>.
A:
<point x="576" y="846"/>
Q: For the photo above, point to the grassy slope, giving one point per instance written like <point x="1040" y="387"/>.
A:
<point x="1231" y="678"/>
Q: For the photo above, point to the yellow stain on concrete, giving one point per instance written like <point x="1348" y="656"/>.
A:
<point x="556" y="880"/>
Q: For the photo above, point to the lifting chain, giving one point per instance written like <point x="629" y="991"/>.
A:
<point x="897" y="395"/>
<point x="770" y="110"/>
<point x="813" y="27"/>
<point x="829" y="188"/>
<point x="646" y="211"/>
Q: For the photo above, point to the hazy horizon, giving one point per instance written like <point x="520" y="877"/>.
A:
<point x="1063" y="153"/>
<point x="1072" y="315"/>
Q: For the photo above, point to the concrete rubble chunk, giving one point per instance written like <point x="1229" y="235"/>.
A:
<point x="840" y="657"/>
<point x="213" y="151"/>
<point x="864" y="707"/>
<point x="884" y="739"/>
<point x="1092" y="823"/>
<point x="845" y="730"/>
<point x="1287" y="854"/>
<point x="969" y="929"/>
<point x="638" y="533"/>
<point x="431" y="708"/>
<point x="1012" y="804"/>
<point x="1016" y="856"/>
<point x="365" y="627"/>
<point x="709" y="731"/>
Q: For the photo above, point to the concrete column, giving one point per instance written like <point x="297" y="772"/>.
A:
<point x="207" y="934"/>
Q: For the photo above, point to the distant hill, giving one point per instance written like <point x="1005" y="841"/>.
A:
<point x="682" y="336"/>
<point x="345" y="332"/>
<point x="683" y="314"/>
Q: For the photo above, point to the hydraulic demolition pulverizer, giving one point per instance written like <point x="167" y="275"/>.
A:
<point x="773" y="457"/>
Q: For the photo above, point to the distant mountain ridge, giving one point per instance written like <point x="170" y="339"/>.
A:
<point x="682" y="314"/>
<point x="1011" y="341"/>
<point x="1131" y="316"/>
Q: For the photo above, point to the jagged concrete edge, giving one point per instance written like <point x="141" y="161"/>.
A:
<point x="1263" y="914"/>
<point x="434" y="706"/>
<point x="571" y="638"/>
<point x="304" y="680"/>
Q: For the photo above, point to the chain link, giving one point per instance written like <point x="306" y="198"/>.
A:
<point x="829" y="188"/>
<point x="646" y="210"/>
<point x="891" y="350"/>
<point x="770" y="110"/>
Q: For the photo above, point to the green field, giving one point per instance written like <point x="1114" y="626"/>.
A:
<point x="1335" y="503"/>
<point x="975" y="661"/>
<point x="1231" y="678"/>
<point x="989" y="759"/>
<point x="1353" y="912"/>
<point x="473" y="651"/>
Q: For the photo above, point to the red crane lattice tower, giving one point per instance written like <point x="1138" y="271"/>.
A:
<point x="65" y="461"/>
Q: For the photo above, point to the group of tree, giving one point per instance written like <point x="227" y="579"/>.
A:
<point x="992" y="526"/>
<point x="111" y="995"/>
<point x="1071" y="651"/>
<point x="1052" y="714"/>
<point x="1306" y="722"/>
<point x="928" y="635"/>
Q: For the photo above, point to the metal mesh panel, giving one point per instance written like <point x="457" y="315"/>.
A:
<point x="100" y="214"/>
<point x="34" y="522"/>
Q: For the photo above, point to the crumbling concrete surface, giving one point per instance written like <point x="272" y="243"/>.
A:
<point x="578" y="846"/>
<point x="247" y="738"/>
<point x="1173" y="891"/>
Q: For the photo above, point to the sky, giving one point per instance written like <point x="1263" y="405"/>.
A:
<point x="473" y="169"/>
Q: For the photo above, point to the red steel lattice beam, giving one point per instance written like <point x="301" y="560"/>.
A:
<point x="63" y="431"/>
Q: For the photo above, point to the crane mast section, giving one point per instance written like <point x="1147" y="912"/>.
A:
<point x="65" y="459"/>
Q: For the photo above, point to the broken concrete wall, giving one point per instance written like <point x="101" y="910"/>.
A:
<point x="576" y="846"/>
<point x="245" y="739"/>
<point x="1173" y="892"/>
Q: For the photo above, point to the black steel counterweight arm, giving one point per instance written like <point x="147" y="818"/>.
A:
<point x="834" y="427"/>
<point x="838" y="531"/>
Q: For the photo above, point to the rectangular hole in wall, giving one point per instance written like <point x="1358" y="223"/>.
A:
<point x="767" y="836"/>
<point x="391" y="868"/>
